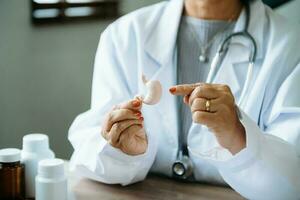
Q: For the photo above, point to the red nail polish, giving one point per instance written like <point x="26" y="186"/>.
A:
<point x="138" y="114"/>
<point x="172" y="89"/>
<point x="136" y="103"/>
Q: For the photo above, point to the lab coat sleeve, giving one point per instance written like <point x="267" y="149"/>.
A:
<point x="269" y="166"/>
<point x="93" y="157"/>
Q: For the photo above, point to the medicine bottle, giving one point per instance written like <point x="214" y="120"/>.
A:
<point x="35" y="148"/>
<point x="12" y="180"/>
<point x="51" y="182"/>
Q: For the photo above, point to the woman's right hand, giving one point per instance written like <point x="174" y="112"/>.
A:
<point x="123" y="128"/>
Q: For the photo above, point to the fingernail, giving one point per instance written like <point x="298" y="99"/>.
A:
<point x="141" y="118"/>
<point x="136" y="103"/>
<point x="138" y="114"/>
<point x="172" y="89"/>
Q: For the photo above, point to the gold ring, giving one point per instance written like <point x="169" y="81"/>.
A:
<point x="207" y="105"/>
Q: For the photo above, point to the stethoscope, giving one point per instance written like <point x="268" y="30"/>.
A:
<point x="183" y="166"/>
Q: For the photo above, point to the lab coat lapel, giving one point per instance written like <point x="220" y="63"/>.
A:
<point x="234" y="67"/>
<point x="161" y="42"/>
<point x="160" y="47"/>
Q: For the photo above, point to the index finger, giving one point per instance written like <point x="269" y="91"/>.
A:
<point x="184" y="89"/>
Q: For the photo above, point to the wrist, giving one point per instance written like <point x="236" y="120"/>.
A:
<point x="239" y="141"/>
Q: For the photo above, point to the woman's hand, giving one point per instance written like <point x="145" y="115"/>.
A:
<point x="123" y="128"/>
<point x="213" y="105"/>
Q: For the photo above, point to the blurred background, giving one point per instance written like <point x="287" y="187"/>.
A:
<point x="47" y="51"/>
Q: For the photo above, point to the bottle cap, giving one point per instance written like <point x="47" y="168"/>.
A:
<point x="10" y="155"/>
<point x="51" y="168"/>
<point x="35" y="142"/>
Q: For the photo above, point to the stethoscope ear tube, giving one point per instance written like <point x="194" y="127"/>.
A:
<point x="213" y="68"/>
<point x="246" y="84"/>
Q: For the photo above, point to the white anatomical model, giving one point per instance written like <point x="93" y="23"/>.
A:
<point x="154" y="92"/>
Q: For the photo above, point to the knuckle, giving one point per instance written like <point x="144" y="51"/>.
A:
<point x="197" y="101"/>
<point x="113" y="128"/>
<point x="230" y="98"/>
<point x="196" y="105"/>
<point x="199" y="117"/>
<point x="110" y="116"/>
<point x="118" y="126"/>
<point x="196" y="93"/>
<point x="225" y="87"/>
<point x="112" y="142"/>
<point x="194" y="102"/>
<point x="227" y="95"/>
<point x="104" y="134"/>
<point x="109" y="140"/>
<point x="201" y="88"/>
<point x="197" y="90"/>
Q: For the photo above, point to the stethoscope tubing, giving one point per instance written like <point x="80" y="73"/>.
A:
<point x="217" y="61"/>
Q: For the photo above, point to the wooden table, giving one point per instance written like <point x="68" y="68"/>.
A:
<point x="154" y="188"/>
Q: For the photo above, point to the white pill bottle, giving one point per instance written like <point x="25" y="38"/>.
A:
<point x="35" y="148"/>
<point x="51" y="182"/>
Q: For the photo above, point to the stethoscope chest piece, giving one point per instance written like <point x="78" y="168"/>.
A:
<point x="182" y="167"/>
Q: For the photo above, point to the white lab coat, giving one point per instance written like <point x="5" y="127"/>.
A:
<point x="145" y="42"/>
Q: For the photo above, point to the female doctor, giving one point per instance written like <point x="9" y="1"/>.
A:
<point x="253" y="145"/>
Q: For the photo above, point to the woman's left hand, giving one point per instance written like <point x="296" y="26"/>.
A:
<point x="213" y="105"/>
